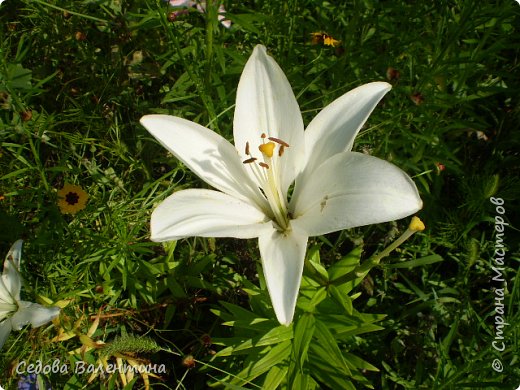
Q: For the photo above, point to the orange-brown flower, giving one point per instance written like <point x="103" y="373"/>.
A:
<point x="71" y="199"/>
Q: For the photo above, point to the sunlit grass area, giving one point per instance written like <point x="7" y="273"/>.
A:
<point x="75" y="79"/>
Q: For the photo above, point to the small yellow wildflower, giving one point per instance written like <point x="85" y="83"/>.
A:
<point x="326" y="39"/>
<point x="71" y="199"/>
<point x="329" y="41"/>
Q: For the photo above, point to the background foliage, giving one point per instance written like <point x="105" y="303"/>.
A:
<point x="75" y="77"/>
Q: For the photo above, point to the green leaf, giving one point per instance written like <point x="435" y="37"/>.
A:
<point x="175" y="287"/>
<point x="274" y="377"/>
<point x="331" y="351"/>
<point x="416" y="262"/>
<point x="343" y="326"/>
<point x="303" y="332"/>
<point x="347" y="264"/>
<point x="318" y="296"/>
<point x="326" y="371"/>
<point x="356" y="362"/>
<point x="300" y="382"/>
<point x="244" y="319"/>
<point x="274" y="336"/>
<point x="318" y="271"/>
<point x="275" y="356"/>
<point x="341" y="298"/>
<point x="18" y="77"/>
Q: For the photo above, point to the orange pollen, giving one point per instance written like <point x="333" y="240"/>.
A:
<point x="267" y="149"/>
<point x="263" y="165"/>
<point x="278" y="141"/>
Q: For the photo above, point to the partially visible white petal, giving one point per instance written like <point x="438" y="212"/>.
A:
<point x="6" y="309"/>
<point x="5" y="329"/>
<point x="282" y="261"/>
<point x="33" y="313"/>
<point x="201" y="7"/>
<point x="222" y="19"/>
<point x="205" y="213"/>
<point x="333" y="130"/>
<point x="353" y="189"/>
<point x="182" y="3"/>
<point x="206" y="153"/>
<point x="266" y="104"/>
<point x="11" y="275"/>
<point x="5" y="295"/>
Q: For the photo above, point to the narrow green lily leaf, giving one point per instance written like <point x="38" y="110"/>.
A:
<point x="275" y="356"/>
<point x="246" y="318"/>
<point x="330" y="347"/>
<point x="303" y="332"/>
<point x="343" y="326"/>
<point x="274" y="336"/>
<point x="356" y="362"/>
<point x="300" y="382"/>
<point x="359" y="330"/>
<point x="274" y="377"/>
<point x="318" y="296"/>
<point x="325" y="370"/>
<point x="416" y="262"/>
<point x="415" y="288"/>
<point x="347" y="264"/>
<point x="318" y="271"/>
<point x="341" y="298"/>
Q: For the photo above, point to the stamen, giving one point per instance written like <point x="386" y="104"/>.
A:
<point x="263" y="165"/>
<point x="263" y="135"/>
<point x="267" y="149"/>
<point x="279" y="141"/>
<point x="249" y="160"/>
<point x="281" y="150"/>
<point x="416" y="225"/>
<point x="247" y="148"/>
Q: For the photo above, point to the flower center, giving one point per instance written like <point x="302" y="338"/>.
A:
<point x="267" y="173"/>
<point x="72" y="198"/>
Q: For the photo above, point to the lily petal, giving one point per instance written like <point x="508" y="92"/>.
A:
<point x="265" y="103"/>
<point x="282" y="261"/>
<point x="6" y="309"/>
<point x="5" y="329"/>
<point x="353" y="189"/>
<point x="182" y="3"/>
<point x="33" y="313"/>
<point x="11" y="275"/>
<point x="205" y="213"/>
<point x="207" y="154"/>
<point x="333" y="130"/>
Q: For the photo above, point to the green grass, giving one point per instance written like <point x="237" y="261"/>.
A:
<point x="75" y="77"/>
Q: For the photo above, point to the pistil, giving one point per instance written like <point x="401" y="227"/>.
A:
<point x="268" y="177"/>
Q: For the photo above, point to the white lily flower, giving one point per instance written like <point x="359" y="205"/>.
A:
<point x="15" y="313"/>
<point x="334" y="188"/>
<point x="201" y="7"/>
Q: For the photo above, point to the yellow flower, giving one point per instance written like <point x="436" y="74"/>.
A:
<point x="326" y="39"/>
<point x="329" y="41"/>
<point x="71" y="199"/>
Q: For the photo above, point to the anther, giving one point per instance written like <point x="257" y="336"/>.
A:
<point x="249" y="160"/>
<point x="281" y="150"/>
<point x="279" y="141"/>
<point x="263" y="165"/>
<point x="267" y="149"/>
<point x="247" y="148"/>
<point x="263" y="135"/>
